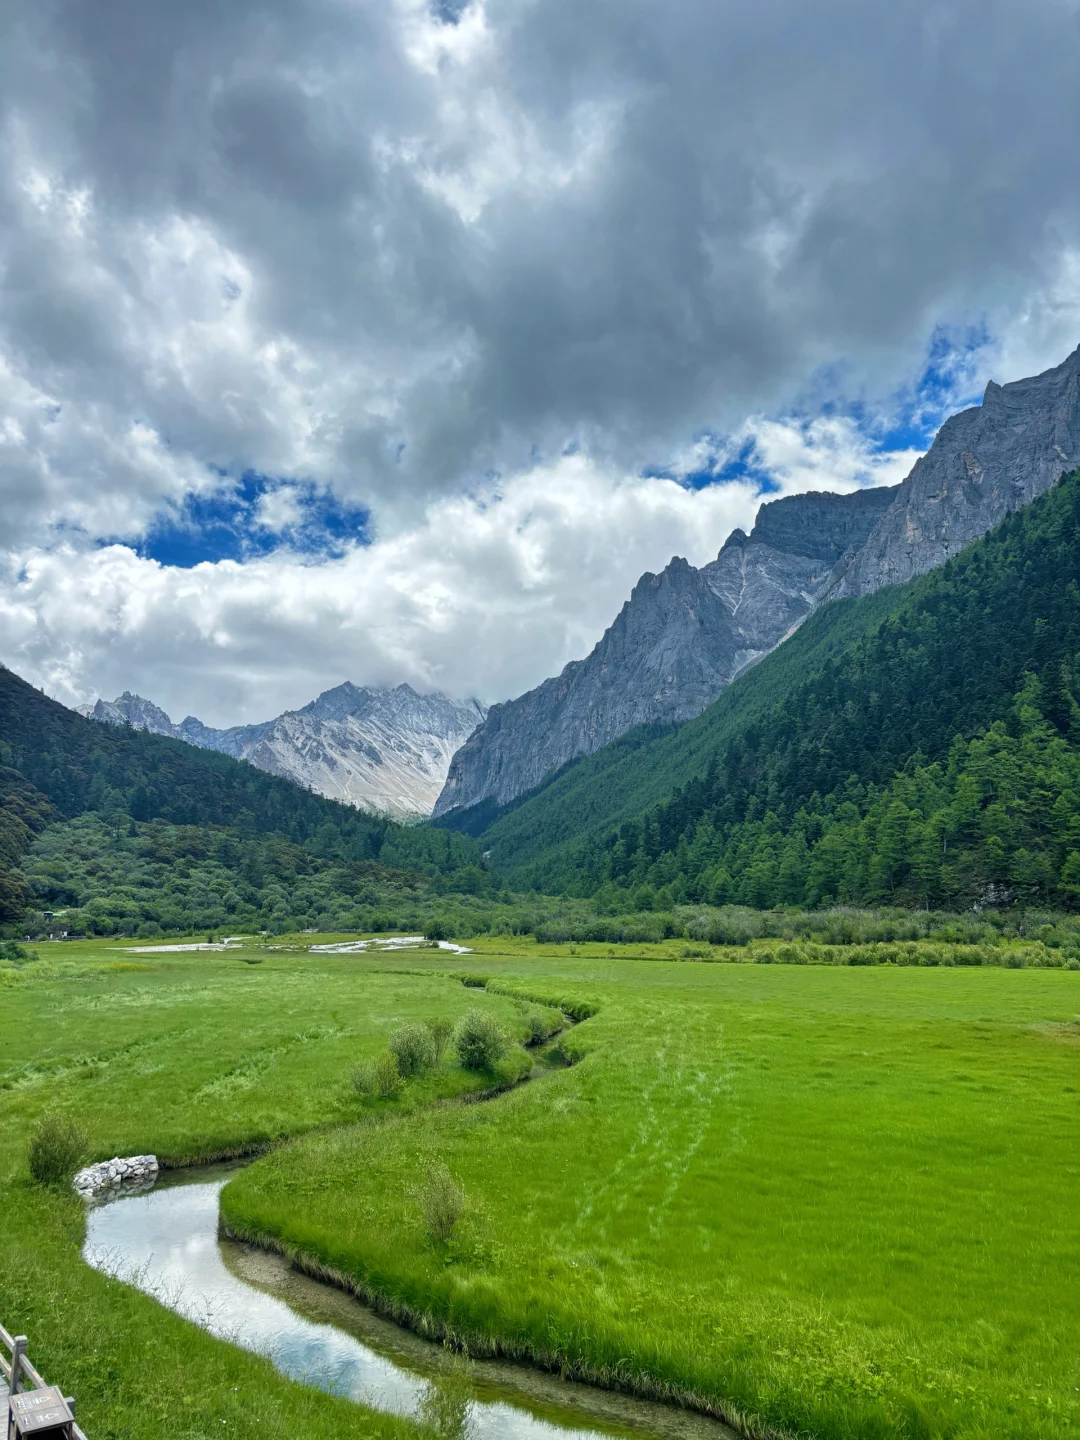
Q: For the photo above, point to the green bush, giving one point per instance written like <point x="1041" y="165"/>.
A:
<point x="479" y="1040"/>
<point x="414" y="1049"/>
<point x="440" y="1029"/>
<point x="56" y="1150"/>
<point x="442" y="1201"/>
<point x="16" y="953"/>
<point x="380" y="1077"/>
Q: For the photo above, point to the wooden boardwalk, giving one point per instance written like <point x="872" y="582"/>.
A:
<point x="20" y="1376"/>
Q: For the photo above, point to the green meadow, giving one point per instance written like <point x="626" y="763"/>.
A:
<point x="815" y="1198"/>
<point x="188" y="1056"/>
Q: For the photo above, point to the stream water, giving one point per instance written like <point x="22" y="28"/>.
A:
<point x="165" y="1242"/>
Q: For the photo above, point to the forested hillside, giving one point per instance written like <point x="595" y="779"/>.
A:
<point x="928" y="759"/>
<point x="56" y="765"/>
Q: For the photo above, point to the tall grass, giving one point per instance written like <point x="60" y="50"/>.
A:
<point x="56" y="1149"/>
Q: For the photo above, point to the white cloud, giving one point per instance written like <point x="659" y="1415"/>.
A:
<point x="487" y="595"/>
<point x="382" y="258"/>
<point x="280" y="509"/>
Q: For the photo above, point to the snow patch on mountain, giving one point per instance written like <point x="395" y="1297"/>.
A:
<point x="380" y="749"/>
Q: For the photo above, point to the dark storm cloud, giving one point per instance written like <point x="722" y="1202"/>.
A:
<point x="454" y="244"/>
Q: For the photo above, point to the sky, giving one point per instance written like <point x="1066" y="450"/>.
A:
<point x="388" y="340"/>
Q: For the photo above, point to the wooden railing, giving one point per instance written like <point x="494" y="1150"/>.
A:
<point x="20" y="1374"/>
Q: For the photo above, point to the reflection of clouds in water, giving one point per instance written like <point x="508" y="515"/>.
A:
<point x="165" y="1244"/>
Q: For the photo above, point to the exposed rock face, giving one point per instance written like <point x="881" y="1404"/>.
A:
<point x="677" y="642"/>
<point x="985" y="462"/>
<point x="386" y="750"/>
<point x="685" y="634"/>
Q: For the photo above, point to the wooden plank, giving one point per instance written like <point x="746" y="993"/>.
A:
<point x="18" y="1359"/>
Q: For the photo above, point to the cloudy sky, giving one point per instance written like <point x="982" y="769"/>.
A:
<point x="393" y="339"/>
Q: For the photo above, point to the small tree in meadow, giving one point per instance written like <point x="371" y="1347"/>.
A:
<point x="480" y="1040"/>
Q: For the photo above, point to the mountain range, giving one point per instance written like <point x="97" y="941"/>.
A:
<point x="916" y="746"/>
<point x="685" y="634"/>
<point x="386" y="750"/>
<point x="680" y="639"/>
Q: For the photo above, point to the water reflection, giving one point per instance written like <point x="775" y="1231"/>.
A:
<point x="166" y="1243"/>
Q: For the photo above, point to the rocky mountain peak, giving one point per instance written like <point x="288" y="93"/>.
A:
<point x="381" y="749"/>
<point x="685" y="634"/>
<point x="986" y="461"/>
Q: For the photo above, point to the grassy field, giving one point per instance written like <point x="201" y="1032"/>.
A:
<point x="187" y="1056"/>
<point x="840" y="1200"/>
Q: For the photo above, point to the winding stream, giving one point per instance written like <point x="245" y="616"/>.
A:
<point x="165" y="1242"/>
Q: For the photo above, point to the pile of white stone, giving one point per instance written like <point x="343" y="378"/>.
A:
<point x="135" y="1170"/>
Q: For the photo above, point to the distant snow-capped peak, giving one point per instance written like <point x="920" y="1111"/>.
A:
<point x="380" y="749"/>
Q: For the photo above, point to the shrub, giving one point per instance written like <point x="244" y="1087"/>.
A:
<point x="442" y="1200"/>
<point x="380" y="1077"/>
<point x="16" y="953"/>
<point x="437" y="930"/>
<point x="479" y="1040"/>
<point x="790" y="955"/>
<point x="414" y="1049"/>
<point x="56" y="1150"/>
<point x="440" y="1029"/>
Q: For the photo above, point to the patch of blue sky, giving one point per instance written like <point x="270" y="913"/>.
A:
<point x="911" y="417"/>
<point x="907" y="420"/>
<point x="253" y="517"/>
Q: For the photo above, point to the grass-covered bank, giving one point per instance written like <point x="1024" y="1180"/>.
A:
<point x="189" y="1056"/>
<point x="842" y="1201"/>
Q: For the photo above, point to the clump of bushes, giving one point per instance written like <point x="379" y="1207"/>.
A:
<point x="56" y="1150"/>
<point x="414" y="1049"/>
<point x="479" y="1040"/>
<point x="442" y="1201"/>
<point x="380" y="1077"/>
<point x="16" y="953"/>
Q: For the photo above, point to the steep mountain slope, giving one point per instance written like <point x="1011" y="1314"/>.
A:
<point x="918" y="744"/>
<point x="984" y="463"/>
<point x="685" y="634"/>
<point x="383" y="750"/>
<point x="677" y="642"/>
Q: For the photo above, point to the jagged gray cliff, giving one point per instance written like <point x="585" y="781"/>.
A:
<point x="984" y="463"/>
<point x="385" y="750"/>
<point x="685" y="634"/>
<point x="677" y="642"/>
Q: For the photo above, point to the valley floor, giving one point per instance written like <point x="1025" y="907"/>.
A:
<point x="828" y="1199"/>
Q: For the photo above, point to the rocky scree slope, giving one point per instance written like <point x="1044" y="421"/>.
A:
<point x="385" y="750"/>
<point x="685" y="634"/>
<point x="679" y="640"/>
